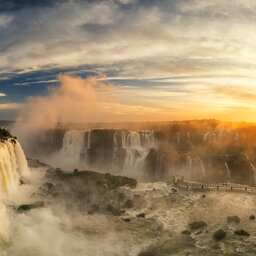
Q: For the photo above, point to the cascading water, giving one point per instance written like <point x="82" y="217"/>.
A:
<point x="129" y="148"/>
<point x="137" y="146"/>
<point x="22" y="164"/>
<point x="159" y="163"/>
<point x="189" y="167"/>
<point x="13" y="165"/>
<point x="73" y="145"/>
<point x="254" y="172"/>
<point x="115" y="148"/>
<point x="203" y="172"/>
<point x="227" y="168"/>
<point x="237" y="138"/>
<point x="177" y="138"/>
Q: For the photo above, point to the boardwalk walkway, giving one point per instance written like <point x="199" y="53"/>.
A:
<point x="217" y="186"/>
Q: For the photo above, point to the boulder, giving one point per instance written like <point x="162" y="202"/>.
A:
<point x="147" y="254"/>
<point x="24" y="181"/>
<point x="233" y="219"/>
<point x="128" y="203"/>
<point x="27" y="207"/>
<point x="219" y="235"/>
<point x="241" y="232"/>
<point x="141" y="215"/>
<point x="252" y="217"/>
<point x="197" y="225"/>
<point x="185" y="232"/>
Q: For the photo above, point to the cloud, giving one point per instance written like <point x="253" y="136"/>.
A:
<point x="144" y="35"/>
<point x="2" y="94"/>
<point x="190" y="46"/>
<point x="9" y="106"/>
<point x="240" y="93"/>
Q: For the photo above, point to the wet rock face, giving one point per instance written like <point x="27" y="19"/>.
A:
<point x="240" y="168"/>
<point x="49" y="142"/>
<point x="151" y="162"/>
<point x="101" y="146"/>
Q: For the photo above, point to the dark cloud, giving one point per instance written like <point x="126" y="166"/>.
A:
<point x="11" y="5"/>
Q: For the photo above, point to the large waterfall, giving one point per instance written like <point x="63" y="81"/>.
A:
<point x="13" y="165"/>
<point x="137" y="145"/>
<point x="121" y="149"/>
<point x="73" y="144"/>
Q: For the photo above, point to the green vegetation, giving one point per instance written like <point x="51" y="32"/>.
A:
<point x="5" y="135"/>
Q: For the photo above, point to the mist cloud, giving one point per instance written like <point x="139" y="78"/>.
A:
<point x="76" y="100"/>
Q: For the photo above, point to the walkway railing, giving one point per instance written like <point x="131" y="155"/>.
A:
<point x="231" y="186"/>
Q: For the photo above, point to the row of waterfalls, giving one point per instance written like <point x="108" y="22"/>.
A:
<point x="145" y="152"/>
<point x="126" y="150"/>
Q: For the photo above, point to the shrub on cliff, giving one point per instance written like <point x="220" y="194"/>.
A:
<point x="5" y="135"/>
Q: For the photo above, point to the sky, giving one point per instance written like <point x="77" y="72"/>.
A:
<point x="165" y="59"/>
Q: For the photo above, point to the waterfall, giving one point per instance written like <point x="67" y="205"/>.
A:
<point x="123" y="139"/>
<point x="89" y="140"/>
<point x="115" y="150"/>
<point x="178" y="138"/>
<point x="159" y="162"/>
<point x="137" y="145"/>
<point x="73" y="145"/>
<point x="227" y="168"/>
<point x="129" y="148"/>
<point x="147" y="139"/>
<point x="237" y="138"/>
<point x="189" y="167"/>
<point x="206" y="136"/>
<point x="4" y="227"/>
<point x="203" y="172"/>
<point x="13" y="165"/>
<point x="22" y="164"/>
<point x="254" y="172"/>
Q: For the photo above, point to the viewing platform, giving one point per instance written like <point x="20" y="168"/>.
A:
<point x="180" y="182"/>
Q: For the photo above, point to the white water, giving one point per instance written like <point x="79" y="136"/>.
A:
<point x="73" y="145"/>
<point x="13" y="165"/>
<point x="203" y="172"/>
<point x="227" y="168"/>
<point x="254" y="173"/>
<point x="137" y="146"/>
<point x="189" y="168"/>
<point x="237" y="139"/>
